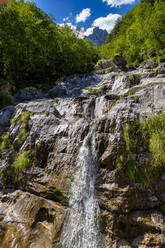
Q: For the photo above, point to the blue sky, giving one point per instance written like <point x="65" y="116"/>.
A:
<point x="89" y="13"/>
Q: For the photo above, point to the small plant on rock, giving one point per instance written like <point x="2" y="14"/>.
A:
<point x="24" y="160"/>
<point x="134" y="79"/>
<point x="6" y="142"/>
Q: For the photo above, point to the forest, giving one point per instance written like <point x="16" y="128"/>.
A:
<point x="140" y="35"/>
<point x="35" y="51"/>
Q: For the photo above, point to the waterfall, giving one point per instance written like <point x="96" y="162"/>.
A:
<point x="82" y="229"/>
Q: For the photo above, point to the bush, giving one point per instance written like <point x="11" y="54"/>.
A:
<point x="37" y="50"/>
<point x="5" y="142"/>
<point x="139" y="35"/>
<point x="134" y="79"/>
<point x="24" y="160"/>
<point x="157" y="147"/>
<point x="24" y="132"/>
<point x="148" y="136"/>
<point x="96" y="90"/>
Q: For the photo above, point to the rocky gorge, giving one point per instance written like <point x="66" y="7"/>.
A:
<point x="64" y="159"/>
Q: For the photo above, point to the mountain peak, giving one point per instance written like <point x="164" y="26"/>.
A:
<point x="98" y="36"/>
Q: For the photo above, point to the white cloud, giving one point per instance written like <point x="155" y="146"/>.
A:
<point x="78" y="31"/>
<point x="89" y="31"/>
<point x="67" y="19"/>
<point x="107" y="22"/>
<point x="83" y="15"/>
<point x="116" y="3"/>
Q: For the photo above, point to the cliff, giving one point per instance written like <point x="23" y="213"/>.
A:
<point x="71" y="174"/>
<point x="98" y="36"/>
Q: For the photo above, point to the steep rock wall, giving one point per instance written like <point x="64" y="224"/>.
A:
<point x="34" y="198"/>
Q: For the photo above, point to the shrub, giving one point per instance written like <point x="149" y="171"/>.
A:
<point x="157" y="147"/>
<point x="24" y="160"/>
<point x="148" y="136"/>
<point x="24" y="132"/>
<point x="134" y="79"/>
<point x="128" y="40"/>
<point x="96" y="90"/>
<point x="5" y="142"/>
<point x="42" y="51"/>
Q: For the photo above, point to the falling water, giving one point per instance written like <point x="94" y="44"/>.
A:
<point x="81" y="230"/>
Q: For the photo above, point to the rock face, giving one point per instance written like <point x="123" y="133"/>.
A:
<point x="39" y="164"/>
<point x="98" y="36"/>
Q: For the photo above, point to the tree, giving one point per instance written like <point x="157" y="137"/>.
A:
<point x="34" y="50"/>
<point x="140" y="35"/>
<point x="3" y="2"/>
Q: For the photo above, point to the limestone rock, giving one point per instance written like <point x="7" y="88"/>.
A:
<point x="5" y="116"/>
<point x="34" y="201"/>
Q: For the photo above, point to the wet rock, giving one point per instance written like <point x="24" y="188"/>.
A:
<point x="131" y="215"/>
<point x="5" y="115"/>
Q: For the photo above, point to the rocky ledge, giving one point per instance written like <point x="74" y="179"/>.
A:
<point x="40" y="140"/>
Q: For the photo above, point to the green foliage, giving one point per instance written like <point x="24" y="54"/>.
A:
<point x="130" y="92"/>
<point x="134" y="79"/>
<point x="7" y="176"/>
<point x="141" y="137"/>
<point x="96" y="90"/>
<point x="162" y="206"/>
<point x="127" y="137"/>
<point x="24" y="160"/>
<point x="22" y="135"/>
<point x="5" y="100"/>
<point x="5" y="142"/>
<point x="154" y="130"/>
<point x="108" y="70"/>
<point x="114" y="31"/>
<point x="24" y="132"/>
<point x="157" y="147"/>
<point x="34" y="50"/>
<point x="140" y="35"/>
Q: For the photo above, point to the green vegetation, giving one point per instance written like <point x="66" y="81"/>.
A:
<point x="96" y="90"/>
<point x="162" y="206"/>
<point x="22" y="135"/>
<point x="36" y="51"/>
<point x="134" y="79"/>
<point x="130" y="92"/>
<point x="5" y="142"/>
<point x="5" y="100"/>
<point x="14" y="175"/>
<point x="139" y="35"/>
<point x="24" y="160"/>
<point x="24" y="131"/>
<point x="148" y="136"/>
<point x="108" y="70"/>
<point x="6" y="90"/>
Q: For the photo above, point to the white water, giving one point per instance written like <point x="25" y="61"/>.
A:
<point x="82" y="229"/>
